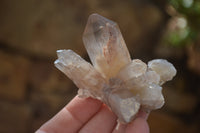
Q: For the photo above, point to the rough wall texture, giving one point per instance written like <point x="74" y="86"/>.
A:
<point x="41" y="27"/>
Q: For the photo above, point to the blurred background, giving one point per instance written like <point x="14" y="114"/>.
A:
<point x="32" y="90"/>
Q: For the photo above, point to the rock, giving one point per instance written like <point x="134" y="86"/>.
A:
<point x="40" y="28"/>
<point x="14" y="118"/>
<point x="13" y="76"/>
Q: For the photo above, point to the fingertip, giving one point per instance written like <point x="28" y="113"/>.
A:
<point x="78" y="112"/>
<point x="143" y="114"/>
<point x="39" y="131"/>
<point x="139" y="125"/>
<point x="103" y="122"/>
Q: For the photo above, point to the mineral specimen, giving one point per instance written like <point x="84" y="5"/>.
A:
<point x="123" y="84"/>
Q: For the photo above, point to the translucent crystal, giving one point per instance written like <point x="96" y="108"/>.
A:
<point x="124" y="104"/>
<point x="151" y="97"/>
<point x="81" y="72"/>
<point x="125" y="86"/>
<point x="105" y="45"/>
<point x="162" y="67"/>
<point x="134" y="69"/>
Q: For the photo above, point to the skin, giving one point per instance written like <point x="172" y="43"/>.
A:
<point x="91" y="116"/>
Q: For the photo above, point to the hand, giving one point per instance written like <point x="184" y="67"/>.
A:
<point x="91" y="116"/>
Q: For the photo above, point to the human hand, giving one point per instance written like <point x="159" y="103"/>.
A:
<point x="91" y="116"/>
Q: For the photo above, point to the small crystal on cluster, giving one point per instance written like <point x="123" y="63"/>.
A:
<point x="125" y="85"/>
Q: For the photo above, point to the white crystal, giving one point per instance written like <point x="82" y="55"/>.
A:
<point x="132" y="70"/>
<point x="125" y="86"/>
<point x="162" y="67"/>
<point x="124" y="105"/>
<point x="151" y="97"/>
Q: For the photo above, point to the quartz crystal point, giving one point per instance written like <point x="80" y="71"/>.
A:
<point x="125" y="86"/>
<point x="105" y="45"/>
<point x="87" y="79"/>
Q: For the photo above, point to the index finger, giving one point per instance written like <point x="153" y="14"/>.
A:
<point x="72" y="117"/>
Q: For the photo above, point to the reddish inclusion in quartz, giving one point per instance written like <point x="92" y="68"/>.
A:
<point x="105" y="46"/>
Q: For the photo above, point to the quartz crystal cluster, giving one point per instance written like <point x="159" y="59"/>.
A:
<point x="123" y="84"/>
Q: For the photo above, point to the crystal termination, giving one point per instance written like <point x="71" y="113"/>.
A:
<point x="123" y="84"/>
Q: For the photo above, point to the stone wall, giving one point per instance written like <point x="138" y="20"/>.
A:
<point x="32" y="90"/>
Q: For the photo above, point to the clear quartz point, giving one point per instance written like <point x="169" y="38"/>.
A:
<point x="125" y="86"/>
<point x="87" y="79"/>
<point x="105" y="45"/>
